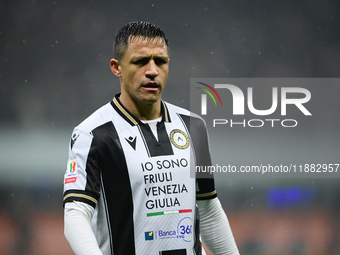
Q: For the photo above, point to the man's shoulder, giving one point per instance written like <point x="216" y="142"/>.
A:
<point x="181" y="110"/>
<point x="184" y="112"/>
<point x="99" y="117"/>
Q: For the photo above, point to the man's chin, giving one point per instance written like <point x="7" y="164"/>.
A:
<point x="151" y="98"/>
<point x="150" y="101"/>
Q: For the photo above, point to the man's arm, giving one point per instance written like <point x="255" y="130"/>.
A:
<point x="78" y="231"/>
<point x="215" y="229"/>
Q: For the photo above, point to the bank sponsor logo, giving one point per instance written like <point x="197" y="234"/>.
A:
<point x="183" y="231"/>
<point x="148" y="235"/>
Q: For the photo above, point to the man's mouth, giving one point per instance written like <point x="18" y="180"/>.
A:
<point x="151" y="86"/>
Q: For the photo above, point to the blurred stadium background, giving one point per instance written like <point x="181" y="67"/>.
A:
<point x="54" y="72"/>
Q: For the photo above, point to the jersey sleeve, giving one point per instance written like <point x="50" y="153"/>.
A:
<point x="205" y="189"/>
<point x="82" y="178"/>
<point x="205" y="184"/>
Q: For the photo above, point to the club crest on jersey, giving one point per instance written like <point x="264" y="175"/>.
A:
<point x="179" y="139"/>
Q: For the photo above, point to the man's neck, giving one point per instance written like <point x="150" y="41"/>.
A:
<point x="142" y="111"/>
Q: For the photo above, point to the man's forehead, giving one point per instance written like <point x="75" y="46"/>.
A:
<point x="147" y="46"/>
<point x="144" y="39"/>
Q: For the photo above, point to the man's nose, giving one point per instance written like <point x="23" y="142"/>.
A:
<point x="151" y="71"/>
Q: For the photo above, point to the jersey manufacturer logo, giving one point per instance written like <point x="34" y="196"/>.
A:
<point x="74" y="139"/>
<point x="132" y="141"/>
<point x="179" y="139"/>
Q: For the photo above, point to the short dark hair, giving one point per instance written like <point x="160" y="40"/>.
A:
<point x="132" y="30"/>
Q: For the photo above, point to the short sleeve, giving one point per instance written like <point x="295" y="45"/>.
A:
<point x="205" y="184"/>
<point x="81" y="179"/>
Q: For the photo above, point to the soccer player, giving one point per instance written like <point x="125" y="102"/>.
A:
<point x="127" y="187"/>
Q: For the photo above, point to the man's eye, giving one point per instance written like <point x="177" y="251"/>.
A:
<point x="160" y="61"/>
<point x="140" y="62"/>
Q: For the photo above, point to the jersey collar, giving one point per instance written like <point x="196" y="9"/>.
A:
<point x="129" y="117"/>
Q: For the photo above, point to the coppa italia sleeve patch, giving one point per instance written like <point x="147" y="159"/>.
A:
<point x="71" y="171"/>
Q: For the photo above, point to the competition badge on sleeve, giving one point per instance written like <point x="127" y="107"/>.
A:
<point x="71" y="172"/>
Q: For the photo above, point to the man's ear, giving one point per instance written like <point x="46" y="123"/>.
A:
<point x="115" y="67"/>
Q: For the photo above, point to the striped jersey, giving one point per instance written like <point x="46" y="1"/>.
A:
<point x="143" y="189"/>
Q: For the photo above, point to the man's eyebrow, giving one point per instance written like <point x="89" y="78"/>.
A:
<point x="141" y="57"/>
<point x="161" y="57"/>
<point x="148" y="57"/>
